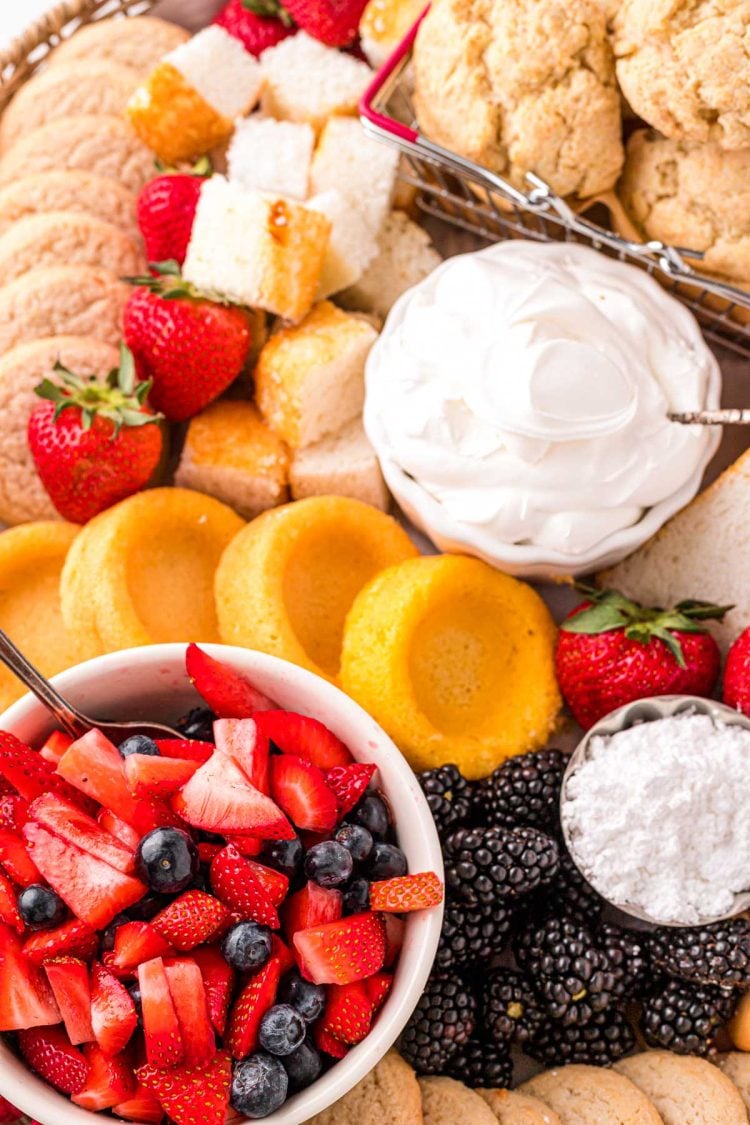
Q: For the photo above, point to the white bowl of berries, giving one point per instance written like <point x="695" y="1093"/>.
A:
<point x="232" y="926"/>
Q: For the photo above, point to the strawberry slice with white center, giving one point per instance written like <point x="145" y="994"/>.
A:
<point x="194" y="1095"/>
<point x="235" y="884"/>
<point x="109" y="1081"/>
<point x="251" y="1005"/>
<point x="135" y="942"/>
<point x="27" y="999"/>
<point x="219" y="798"/>
<point x="218" y="981"/>
<point x="191" y="1005"/>
<point x="66" y="821"/>
<point x="229" y="694"/>
<point x="161" y="1028"/>
<point x="242" y="740"/>
<point x="342" y="952"/>
<point x="75" y="938"/>
<point x="305" y="737"/>
<point x="69" y="981"/>
<point x="274" y="883"/>
<point x="312" y="906"/>
<point x="113" y="1014"/>
<point x="300" y="789"/>
<point x="49" y="1053"/>
<point x="55" y="746"/>
<point x="149" y="775"/>
<point x="143" y="1108"/>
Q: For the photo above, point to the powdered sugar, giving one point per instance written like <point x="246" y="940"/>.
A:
<point x="658" y="816"/>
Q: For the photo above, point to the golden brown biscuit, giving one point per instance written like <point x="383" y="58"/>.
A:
<point x="590" y="1095"/>
<point x="736" y="1066"/>
<point x="686" y="1091"/>
<point x="64" y="238"/>
<point x="388" y="1095"/>
<point x="62" y="301"/>
<point x="80" y="192"/>
<point x="512" y="1108"/>
<point x="138" y="42"/>
<point x="447" y="1102"/>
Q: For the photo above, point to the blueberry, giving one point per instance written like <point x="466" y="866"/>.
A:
<point x="357" y="841"/>
<point x="139" y="744"/>
<point x="372" y="814"/>
<point x="306" y="998"/>
<point x="146" y="907"/>
<point x="198" y="724"/>
<point x="303" y="1066"/>
<point x="328" y="864"/>
<point x="259" y="1085"/>
<point x="167" y="859"/>
<point x="357" y="897"/>
<point x="40" y="907"/>
<point x="283" y="855"/>
<point x="247" y="946"/>
<point x="386" y="862"/>
<point x="282" y="1030"/>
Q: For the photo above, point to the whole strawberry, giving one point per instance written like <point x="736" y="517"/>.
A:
<point x="333" y="22"/>
<point x="94" y="443"/>
<point x="189" y="346"/>
<point x="258" y="24"/>
<point x="737" y="674"/>
<point x="165" y="211"/>
<point x="611" y="651"/>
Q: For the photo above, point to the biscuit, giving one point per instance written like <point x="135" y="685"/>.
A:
<point x="136" y="42"/>
<point x="67" y="90"/>
<point x="76" y="191"/>
<point x="388" y="1095"/>
<point x="446" y="1102"/>
<point x="103" y="144"/>
<point x="22" y="494"/>
<point x="685" y="1090"/>
<point x="512" y="1108"/>
<point x="62" y="301"/>
<point x="736" y="1066"/>
<point x="590" y="1095"/>
<point x="64" y="238"/>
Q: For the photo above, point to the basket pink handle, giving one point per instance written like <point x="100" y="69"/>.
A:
<point x="366" y="106"/>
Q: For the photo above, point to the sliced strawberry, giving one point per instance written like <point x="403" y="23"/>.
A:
<point x="300" y="789"/>
<point x="94" y="891"/>
<point x="219" y="798"/>
<point x="218" y="981"/>
<point x="228" y="693"/>
<point x="10" y="915"/>
<point x="192" y="919"/>
<point x="69" y="980"/>
<point x="26" y="770"/>
<point x="324" y="1041"/>
<point x="14" y="812"/>
<point x="109" y="1080"/>
<point x="312" y="906"/>
<point x="406" y="893"/>
<point x="15" y="858"/>
<point x="143" y="1108"/>
<point x="342" y="952"/>
<point x="274" y="883"/>
<point x="247" y="746"/>
<point x="67" y="822"/>
<point x="235" y="884"/>
<point x="188" y="749"/>
<point x="245" y="845"/>
<point x="94" y="766"/>
<point x="9" y="1115"/>
<point x="251" y="1005"/>
<point x="74" y="938"/>
<point x="55" y="746"/>
<point x="394" y="938"/>
<point x="304" y="737"/>
<point x="161" y="1028"/>
<point x="207" y="852"/>
<point x="113" y="1014"/>
<point x="136" y="942"/>
<point x="197" y="1095"/>
<point x="191" y="1005"/>
<point x="149" y="775"/>
<point x="348" y="1012"/>
<point x="123" y="832"/>
<point x="348" y="783"/>
<point x="283" y="954"/>
<point x="52" y="1056"/>
<point x="26" y="998"/>
<point x="378" y="988"/>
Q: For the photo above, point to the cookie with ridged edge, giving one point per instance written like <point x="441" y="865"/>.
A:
<point x="590" y="1095"/>
<point x="62" y="301"/>
<point x="685" y="1091"/>
<point x="446" y="1102"/>
<point x="138" y="42"/>
<point x="389" y="1093"/>
<point x="62" y="238"/>
<point x="73" y="191"/>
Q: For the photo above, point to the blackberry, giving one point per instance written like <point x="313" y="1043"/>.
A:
<point x="511" y="1012"/>
<point x="604" y="1039"/>
<point x="449" y="796"/>
<point x="481" y="1065"/>
<point x="569" y="971"/>
<point x="716" y="954"/>
<point x="570" y="893"/>
<point x="198" y="723"/>
<point x="524" y="790"/>
<point x="627" y="952"/>
<point x="685" y="1018"/>
<point x="472" y="934"/>
<point x="443" y="1020"/>
<point x="484" y="864"/>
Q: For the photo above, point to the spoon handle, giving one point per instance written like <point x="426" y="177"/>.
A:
<point x="69" y="719"/>
<point x="732" y="416"/>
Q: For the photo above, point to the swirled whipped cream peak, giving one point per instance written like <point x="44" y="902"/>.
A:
<point x="526" y="390"/>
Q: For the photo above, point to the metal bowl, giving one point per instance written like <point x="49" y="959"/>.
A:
<point x="647" y="711"/>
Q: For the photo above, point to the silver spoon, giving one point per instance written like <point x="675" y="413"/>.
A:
<point x="72" y="721"/>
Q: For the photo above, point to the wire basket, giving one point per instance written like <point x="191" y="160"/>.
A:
<point x="474" y="199"/>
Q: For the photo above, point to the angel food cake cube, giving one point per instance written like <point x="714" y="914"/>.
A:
<point x="351" y="247"/>
<point x="364" y="170"/>
<point x="270" y="155"/>
<point x="260" y="250"/>
<point x="188" y="103"/>
<point x="305" y="81"/>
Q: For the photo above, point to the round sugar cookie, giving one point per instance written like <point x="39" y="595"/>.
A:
<point x="62" y="301"/>
<point x="138" y="42"/>
<point x="591" y="1095"/>
<point x="66" y="90"/>
<point x="75" y="191"/>
<point x="388" y="1095"/>
<point x="23" y="497"/>
<point x="62" y="238"/>
<point x="447" y="1102"/>
<point x="512" y="1108"/>
<point x="736" y="1066"/>
<point x="100" y="143"/>
<point x="31" y="558"/>
<point x="685" y="1090"/>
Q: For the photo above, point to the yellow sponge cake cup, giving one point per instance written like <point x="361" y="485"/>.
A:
<point x="455" y="661"/>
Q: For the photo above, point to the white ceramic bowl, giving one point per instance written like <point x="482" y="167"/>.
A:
<point x="151" y="683"/>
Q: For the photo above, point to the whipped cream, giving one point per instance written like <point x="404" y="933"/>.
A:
<point x="526" y="390"/>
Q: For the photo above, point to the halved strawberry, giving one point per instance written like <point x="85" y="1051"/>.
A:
<point x="109" y="1080"/>
<point x="394" y="938"/>
<point x="113" y="1014"/>
<point x="75" y="938"/>
<point x="94" y="891"/>
<point x="348" y="1012"/>
<point x="406" y="893"/>
<point x="219" y="798"/>
<point x="143" y="1108"/>
<point x="161" y="1028"/>
<point x="149" y="775"/>
<point x="342" y="952"/>
<point x="195" y="1095"/>
<point x="14" y="812"/>
<point x="10" y="915"/>
<point x="26" y="770"/>
<point x="247" y="746"/>
<point x="235" y="884"/>
<point x="324" y="1041"/>
<point x="228" y="693"/>
<point x="188" y="749"/>
<point x="378" y="988"/>
<point x="300" y="789"/>
<point x="52" y="1056"/>
<point x="348" y="783"/>
<point x="136" y="942"/>
<point x="251" y="1005"/>
<point x="190" y="920"/>
<point x="66" y="821"/>
<point x="94" y="766"/>
<point x="191" y="1005"/>
<point x="304" y="737"/>
<point x="123" y="832"/>
<point x="312" y="906"/>
<point x="245" y="845"/>
<point x="283" y="954"/>
<point x="55" y="746"/>
<point x="218" y="981"/>
<point x="26" y="998"/>
<point x="274" y="883"/>
<point x="69" y="980"/>
<point x="15" y="859"/>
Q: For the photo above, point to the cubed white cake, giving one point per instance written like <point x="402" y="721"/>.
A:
<point x="363" y="169"/>
<point x="341" y="465"/>
<point x="216" y="64"/>
<point x="307" y="81"/>
<point x="351" y="247"/>
<point x="270" y="155"/>
<point x="405" y="256"/>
